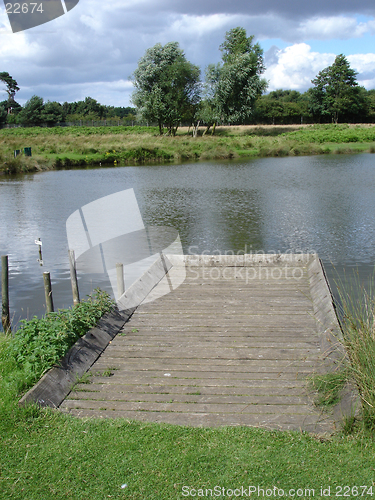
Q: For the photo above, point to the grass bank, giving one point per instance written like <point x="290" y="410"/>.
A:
<point x="45" y="454"/>
<point x="66" y="147"/>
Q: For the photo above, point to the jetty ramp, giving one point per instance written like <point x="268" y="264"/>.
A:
<point x="234" y="344"/>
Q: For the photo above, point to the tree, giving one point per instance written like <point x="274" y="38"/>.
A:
<point x="210" y="109"/>
<point x="90" y="108"/>
<point x="31" y="113"/>
<point x="282" y="107"/>
<point x="3" y="113"/>
<point x="11" y="89"/>
<point x="52" y="113"/>
<point x="371" y="105"/>
<point x="167" y="87"/>
<point x="336" y="92"/>
<point x="234" y="85"/>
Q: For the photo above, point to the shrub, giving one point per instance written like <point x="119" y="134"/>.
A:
<point x="40" y="343"/>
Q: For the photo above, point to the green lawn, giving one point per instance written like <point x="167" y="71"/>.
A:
<point x="45" y="454"/>
<point x="48" y="455"/>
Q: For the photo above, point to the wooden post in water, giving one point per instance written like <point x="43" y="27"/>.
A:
<point x="73" y="277"/>
<point x="5" y="314"/>
<point x="39" y="243"/>
<point x="120" y="279"/>
<point x="48" y="291"/>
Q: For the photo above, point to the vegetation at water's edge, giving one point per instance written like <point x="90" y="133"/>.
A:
<point x="41" y="343"/>
<point x="358" y="326"/>
<point x="54" y="148"/>
<point x="45" y="454"/>
<point x="356" y="309"/>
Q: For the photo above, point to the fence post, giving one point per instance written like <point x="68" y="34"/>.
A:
<point x="48" y="291"/>
<point x="120" y="279"/>
<point x="73" y="277"/>
<point x="5" y="314"/>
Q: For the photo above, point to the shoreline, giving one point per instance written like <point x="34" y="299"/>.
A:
<point x="70" y="147"/>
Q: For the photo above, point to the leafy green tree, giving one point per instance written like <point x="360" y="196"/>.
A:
<point x="90" y="108"/>
<point x="167" y="87"/>
<point x="11" y="89"/>
<point x="336" y="92"/>
<point x="52" y="113"/>
<point x="210" y="110"/>
<point x="371" y="105"/>
<point x="234" y="85"/>
<point x="282" y="107"/>
<point x="31" y="113"/>
<point x="3" y="113"/>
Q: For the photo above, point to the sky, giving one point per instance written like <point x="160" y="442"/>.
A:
<point x="94" y="48"/>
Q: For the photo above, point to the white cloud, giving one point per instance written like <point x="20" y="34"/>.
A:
<point x="200" y="25"/>
<point x="364" y="64"/>
<point x="338" y="27"/>
<point x="296" y="66"/>
<point x="98" y="44"/>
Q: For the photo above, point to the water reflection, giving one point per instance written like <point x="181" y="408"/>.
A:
<point x="324" y="204"/>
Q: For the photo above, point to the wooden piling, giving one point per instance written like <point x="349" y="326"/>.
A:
<point x="120" y="279"/>
<point x="5" y="314"/>
<point x="48" y="291"/>
<point x="73" y="277"/>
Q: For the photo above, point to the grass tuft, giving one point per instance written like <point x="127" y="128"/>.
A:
<point x="328" y="387"/>
<point x="357" y="308"/>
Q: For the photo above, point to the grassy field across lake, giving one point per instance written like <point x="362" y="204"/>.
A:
<point x="65" y="147"/>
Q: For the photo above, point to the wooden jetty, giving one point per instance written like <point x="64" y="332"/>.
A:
<point x="234" y="344"/>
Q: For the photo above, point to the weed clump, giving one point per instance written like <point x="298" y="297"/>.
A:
<point x="40" y="343"/>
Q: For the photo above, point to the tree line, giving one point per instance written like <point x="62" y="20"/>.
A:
<point x="168" y="91"/>
<point x="36" y="112"/>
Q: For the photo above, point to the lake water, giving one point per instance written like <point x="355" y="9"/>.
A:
<point x="323" y="204"/>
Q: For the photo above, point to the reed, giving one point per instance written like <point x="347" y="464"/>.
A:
<point x="357" y="307"/>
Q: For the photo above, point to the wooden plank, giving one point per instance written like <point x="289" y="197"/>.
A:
<point x="311" y="423"/>
<point x="234" y="408"/>
<point x="141" y="390"/>
<point x="212" y="382"/>
<point x="188" y="398"/>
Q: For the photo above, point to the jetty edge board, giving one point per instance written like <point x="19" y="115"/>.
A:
<point x="56" y="383"/>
